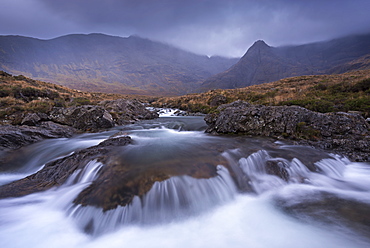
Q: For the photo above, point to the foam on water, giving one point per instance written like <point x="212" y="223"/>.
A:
<point x="247" y="221"/>
<point x="187" y="212"/>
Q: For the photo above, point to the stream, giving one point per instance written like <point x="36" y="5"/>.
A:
<point x="265" y="193"/>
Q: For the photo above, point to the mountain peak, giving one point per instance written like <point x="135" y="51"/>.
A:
<point x="260" y="44"/>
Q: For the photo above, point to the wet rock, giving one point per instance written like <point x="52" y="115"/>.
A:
<point x="14" y="137"/>
<point x="127" y="111"/>
<point x="346" y="132"/>
<point x="277" y="168"/>
<point x="118" y="181"/>
<point x="85" y="118"/>
<point x="56" y="173"/>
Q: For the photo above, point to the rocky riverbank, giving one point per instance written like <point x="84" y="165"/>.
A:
<point x="64" y="122"/>
<point x="344" y="133"/>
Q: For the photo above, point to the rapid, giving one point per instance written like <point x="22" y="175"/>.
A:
<point x="265" y="193"/>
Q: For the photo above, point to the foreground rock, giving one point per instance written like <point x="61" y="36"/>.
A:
<point x="118" y="181"/>
<point x="56" y="173"/>
<point x="14" y="137"/>
<point x="342" y="132"/>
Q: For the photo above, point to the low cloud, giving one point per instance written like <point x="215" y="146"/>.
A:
<point x="216" y="27"/>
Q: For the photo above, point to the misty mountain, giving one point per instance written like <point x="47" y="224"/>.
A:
<point x="263" y="63"/>
<point x="98" y="62"/>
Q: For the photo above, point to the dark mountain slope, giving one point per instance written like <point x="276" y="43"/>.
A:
<point x="98" y="62"/>
<point x="263" y="63"/>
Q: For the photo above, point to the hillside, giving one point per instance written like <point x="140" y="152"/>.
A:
<point x="323" y="93"/>
<point x="19" y="94"/>
<point x="109" y="64"/>
<point x="263" y="63"/>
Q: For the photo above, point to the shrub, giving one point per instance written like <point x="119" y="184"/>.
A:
<point x="318" y="105"/>
<point x="78" y="101"/>
<point x="9" y="101"/>
<point x="360" y="104"/>
<point x="59" y="102"/>
<point x="363" y="85"/>
<point x="320" y="87"/>
<point x="4" y="92"/>
<point x="39" y="106"/>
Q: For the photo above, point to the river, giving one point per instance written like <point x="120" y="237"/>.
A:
<point x="319" y="199"/>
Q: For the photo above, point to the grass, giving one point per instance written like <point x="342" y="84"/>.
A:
<point x="321" y="93"/>
<point x="19" y="94"/>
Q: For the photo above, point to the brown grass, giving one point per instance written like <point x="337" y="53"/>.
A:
<point x="317" y="88"/>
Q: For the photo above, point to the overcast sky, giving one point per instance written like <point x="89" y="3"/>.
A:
<point x="210" y="27"/>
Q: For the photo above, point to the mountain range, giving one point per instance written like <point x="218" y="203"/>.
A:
<point x="134" y="65"/>
<point x="102" y="63"/>
<point x="263" y="63"/>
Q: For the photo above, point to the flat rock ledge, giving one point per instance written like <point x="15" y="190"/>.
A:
<point x="117" y="181"/>
<point x="344" y="133"/>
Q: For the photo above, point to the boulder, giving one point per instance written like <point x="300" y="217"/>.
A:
<point x="56" y="172"/>
<point x="34" y="119"/>
<point x="14" y="137"/>
<point x="85" y="118"/>
<point x="127" y="111"/>
<point x="344" y="132"/>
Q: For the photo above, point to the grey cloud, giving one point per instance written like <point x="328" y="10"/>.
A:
<point x="222" y="27"/>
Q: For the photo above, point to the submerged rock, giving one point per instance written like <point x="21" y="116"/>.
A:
<point x="348" y="133"/>
<point x="329" y="209"/>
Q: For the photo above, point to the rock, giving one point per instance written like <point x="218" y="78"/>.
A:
<point x="117" y="182"/>
<point x="347" y="133"/>
<point x="85" y="118"/>
<point x="277" y="168"/>
<point x="127" y="111"/>
<point x="33" y="119"/>
<point x="328" y="209"/>
<point x="217" y="100"/>
<point x="14" y="137"/>
<point x="56" y="172"/>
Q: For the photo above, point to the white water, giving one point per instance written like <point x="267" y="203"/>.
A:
<point x="187" y="212"/>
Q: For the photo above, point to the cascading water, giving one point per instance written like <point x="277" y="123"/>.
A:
<point x="264" y="194"/>
<point x="172" y="199"/>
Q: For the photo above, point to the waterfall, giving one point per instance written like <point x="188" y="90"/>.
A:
<point x="182" y="196"/>
<point x="173" y="199"/>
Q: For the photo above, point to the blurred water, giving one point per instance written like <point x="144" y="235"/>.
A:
<point x="187" y="212"/>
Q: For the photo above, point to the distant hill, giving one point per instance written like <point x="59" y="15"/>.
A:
<point x="262" y="63"/>
<point x="103" y="63"/>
